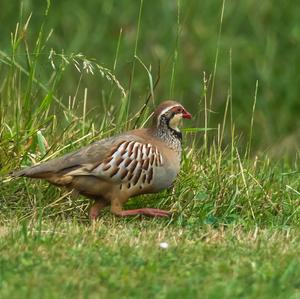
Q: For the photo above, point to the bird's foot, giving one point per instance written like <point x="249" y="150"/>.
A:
<point x="145" y="211"/>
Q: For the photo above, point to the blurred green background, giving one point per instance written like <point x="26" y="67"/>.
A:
<point x="259" y="41"/>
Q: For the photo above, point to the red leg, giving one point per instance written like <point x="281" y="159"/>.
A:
<point x="96" y="208"/>
<point x="146" y="211"/>
<point x="116" y="208"/>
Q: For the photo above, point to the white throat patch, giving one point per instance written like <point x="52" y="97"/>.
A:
<point x="175" y="122"/>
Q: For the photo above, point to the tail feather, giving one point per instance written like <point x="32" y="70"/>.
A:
<point x="43" y="171"/>
<point x="36" y="171"/>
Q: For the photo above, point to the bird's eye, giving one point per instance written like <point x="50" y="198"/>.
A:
<point x="178" y="110"/>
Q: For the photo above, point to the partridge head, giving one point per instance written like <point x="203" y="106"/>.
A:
<point x="112" y="170"/>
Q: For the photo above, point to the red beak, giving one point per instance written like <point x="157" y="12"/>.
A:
<point x="186" y="114"/>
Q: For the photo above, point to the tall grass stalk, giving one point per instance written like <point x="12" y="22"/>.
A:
<point x="216" y="56"/>
<point x="175" y="56"/>
<point x="135" y="53"/>
<point x="252" y="119"/>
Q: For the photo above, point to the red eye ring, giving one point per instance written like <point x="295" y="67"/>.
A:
<point x="178" y="110"/>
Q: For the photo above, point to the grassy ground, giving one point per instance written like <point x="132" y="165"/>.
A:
<point x="120" y="259"/>
<point x="234" y="232"/>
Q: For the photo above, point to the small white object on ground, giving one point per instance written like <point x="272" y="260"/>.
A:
<point x="163" y="245"/>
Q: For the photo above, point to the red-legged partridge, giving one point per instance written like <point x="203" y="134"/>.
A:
<point x="112" y="170"/>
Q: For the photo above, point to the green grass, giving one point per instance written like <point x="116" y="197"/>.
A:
<point x="124" y="260"/>
<point x="234" y="232"/>
<point x="259" y="41"/>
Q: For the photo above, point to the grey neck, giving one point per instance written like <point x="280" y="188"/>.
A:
<point x="171" y="137"/>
